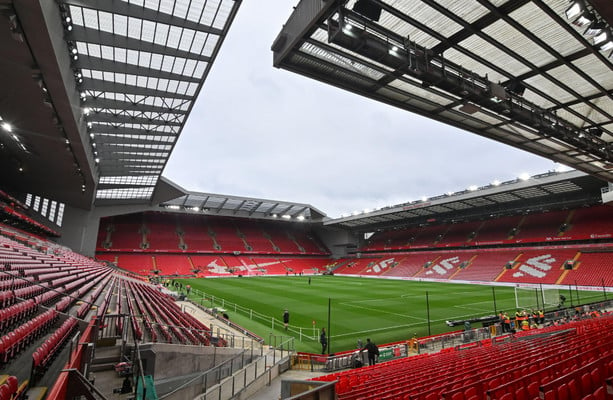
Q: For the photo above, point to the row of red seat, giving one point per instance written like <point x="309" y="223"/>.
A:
<point x="580" y="224"/>
<point x="164" y="313"/>
<point x="10" y="388"/>
<point x="17" y="313"/>
<point x="44" y="354"/>
<point x="17" y="340"/>
<point x="494" y="371"/>
<point x="174" y="233"/>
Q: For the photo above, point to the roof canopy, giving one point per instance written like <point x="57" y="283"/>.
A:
<point x="527" y="73"/>
<point x="544" y="192"/>
<point x="236" y="206"/>
<point x="139" y="65"/>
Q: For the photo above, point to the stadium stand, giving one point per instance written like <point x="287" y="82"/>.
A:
<point x="572" y="358"/>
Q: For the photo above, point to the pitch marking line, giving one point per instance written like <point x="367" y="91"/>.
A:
<point x="383" y="311"/>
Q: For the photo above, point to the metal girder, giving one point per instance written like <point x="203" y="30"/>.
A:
<point x="110" y="148"/>
<point x="554" y="64"/>
<point x="103" y="64"/>
<point x="495" y="16"/>
<point x="550" y="50"/>
<point x="437" y="71"/>
<point x="203" y="204"/>
<point x="127" y="119"/>
<point x="106" y="186"/>
<point x="475" y="27"/>
<point x="141" y="158"/>
<point x="128" y="171"/>
<point x="223" y="203"/>
<point x="121" y="130"/>
<point x="115" y="87"/>
<point x="110" y="104"/>
<point x="574" y="33"/>
<point x="272" y="208"/>
<point x="303" y="209"/>
<point x="132" y="10"/>
<point x="103" y="140"/>
<point x="239" y="206"/>
<point x="254" y="209"/>
<point x="455" y="46"/>
<point x="94" y="36"/>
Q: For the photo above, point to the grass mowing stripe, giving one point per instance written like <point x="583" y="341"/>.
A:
<point x="361" y="307"/>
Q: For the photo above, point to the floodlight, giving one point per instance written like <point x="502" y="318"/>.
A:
<point x="7" y="127"/>
<point x="74" y="50"/>
<point x="286" y="216"/>
<point x="575" y="9"/>
<point x="97" y="160"/>
<point x="424" y="198"/>
<point x="584" y="19"/>
<point x="274" y="215"/>
<point x="524" y="177"/>
<point x="472" y="188"/>
<point x="300" y="218"/>
<point x="496" y="182"/>
<point x="604" y="40"/>
<point x="595" y="28"/>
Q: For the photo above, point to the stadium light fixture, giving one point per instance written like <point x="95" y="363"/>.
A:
<point x="274" y="216"/>
<point x="300" y="218"/>
<point x="575" y="9"/>
<point x="604" y="40"/>
<point x="595" y="28"/>
<point x="424" y="198"/>
<point x="524" y="177"/>
<point x="472" y="188"/>
<point x="584" y="19"/>
<point x="286" y="216"/>
<point x="7" y="127"/>
<point x="496" y="182"/>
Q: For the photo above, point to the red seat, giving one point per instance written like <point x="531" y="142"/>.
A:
<point x="13" y="384"/>
<point x="562" y="392"/>
<point x="600" y="394"/>
<point x="573" y="389"/>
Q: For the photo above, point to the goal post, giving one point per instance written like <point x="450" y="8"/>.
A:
<point x="536" y="297"/>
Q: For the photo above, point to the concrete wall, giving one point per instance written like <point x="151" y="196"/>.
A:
<point x="172" y="360"/>
<point x="338" y="241"/>
<point x="80" y="227"/>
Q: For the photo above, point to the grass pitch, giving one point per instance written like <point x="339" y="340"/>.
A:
<point x="381" y="309"/>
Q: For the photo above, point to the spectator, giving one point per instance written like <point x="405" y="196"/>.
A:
<point x="285" y="318"/>
<point x="373" y="352"/>
<point x="323" y="340"/>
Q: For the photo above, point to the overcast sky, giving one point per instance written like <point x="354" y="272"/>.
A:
<point x="262" y="132"/>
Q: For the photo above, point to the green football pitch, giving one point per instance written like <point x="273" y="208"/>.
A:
<point x="359" y="308"/>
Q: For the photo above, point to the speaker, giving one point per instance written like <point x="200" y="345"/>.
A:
<point x="368" y="9"/>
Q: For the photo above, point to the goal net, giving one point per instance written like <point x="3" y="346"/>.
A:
<point x="536" y="297"/>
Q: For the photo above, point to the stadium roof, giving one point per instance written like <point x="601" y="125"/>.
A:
<point x="544" y="192"/>
<point x="235" y="206"/>
<point x="101" y="91"/>
<point x="527" y="73"/>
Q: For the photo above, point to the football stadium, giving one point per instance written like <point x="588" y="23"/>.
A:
<point x="116" y="282"/>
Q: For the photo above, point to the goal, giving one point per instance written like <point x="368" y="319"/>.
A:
<point x="536" y="297"/>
